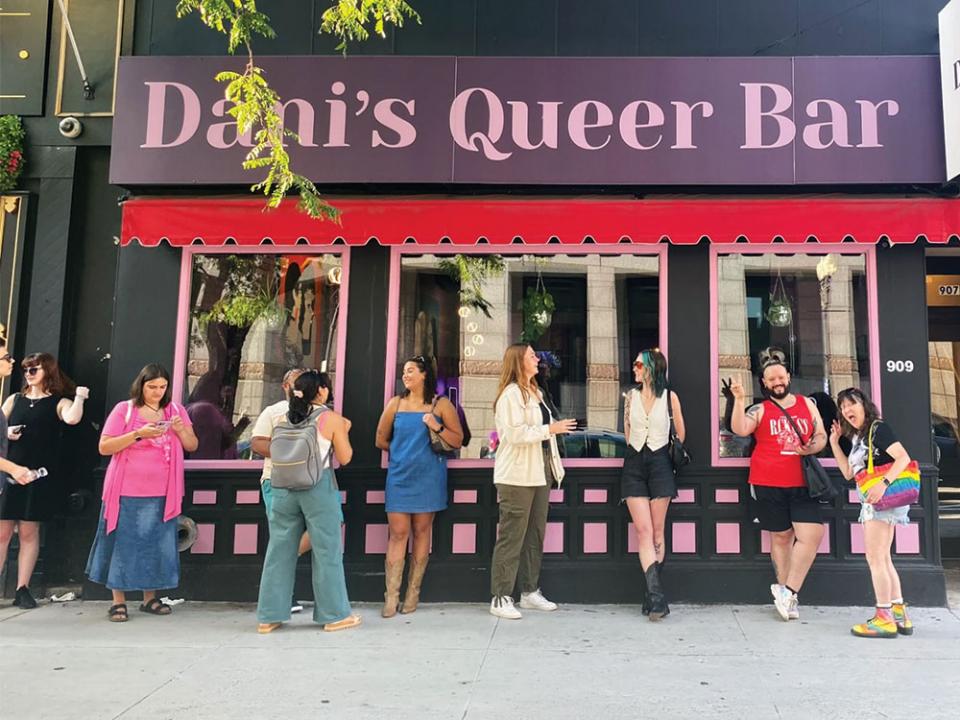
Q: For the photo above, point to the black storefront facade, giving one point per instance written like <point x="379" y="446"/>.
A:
<point x="635" y="253"/>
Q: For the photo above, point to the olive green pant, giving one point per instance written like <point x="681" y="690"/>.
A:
<point x="519" y="548"/>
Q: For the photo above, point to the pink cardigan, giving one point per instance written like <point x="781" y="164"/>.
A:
<point x="113" y="481"/>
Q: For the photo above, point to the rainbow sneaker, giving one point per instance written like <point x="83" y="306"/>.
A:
<point x="904" y="626"/>
<point x="875" y="627"/>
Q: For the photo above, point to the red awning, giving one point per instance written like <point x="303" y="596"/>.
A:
<point x="536" y="221"/>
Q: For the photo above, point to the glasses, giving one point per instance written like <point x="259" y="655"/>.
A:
<point x="32" y="370"/>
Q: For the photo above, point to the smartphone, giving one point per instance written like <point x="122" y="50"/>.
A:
<point x="16" y="428"/>
<point x="163" y="424"/>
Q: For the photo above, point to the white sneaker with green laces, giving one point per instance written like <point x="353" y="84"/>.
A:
<point x="536" y="601"/>
<point x="502" y="606"/>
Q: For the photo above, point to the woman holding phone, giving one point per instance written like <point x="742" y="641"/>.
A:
<point x="135" y="548"/>
<point x="35" y="418"/>
<point x="527" y="464"/>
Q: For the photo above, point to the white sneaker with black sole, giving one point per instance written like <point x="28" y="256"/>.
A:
<point x="536" y="601"/>
<point x="502" y="606"/>
<point x="295" y="606"/>
<point x="783" y="600"/>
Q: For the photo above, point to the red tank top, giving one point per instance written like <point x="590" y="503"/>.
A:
<point x="775" y="462"/>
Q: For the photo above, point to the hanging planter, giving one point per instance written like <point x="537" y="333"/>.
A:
<point x="780" y="314"/>
<point x="11" y="151"/>
<point x="538" y="308"/>
<point x="471" y="272"/>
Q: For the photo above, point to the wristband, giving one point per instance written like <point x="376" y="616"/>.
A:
<point x="886" y="482"/>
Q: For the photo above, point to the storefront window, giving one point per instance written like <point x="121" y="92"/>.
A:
<point x="586" y="315"/>
<point x="813" y="307"/>
<point x="251" y="317"/>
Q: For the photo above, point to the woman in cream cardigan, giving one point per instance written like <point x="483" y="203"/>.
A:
<point x="527" y="464"/>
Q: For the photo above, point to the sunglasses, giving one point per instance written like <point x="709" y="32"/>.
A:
<point x="32" y="370"/>
<point x="7" y="358"/>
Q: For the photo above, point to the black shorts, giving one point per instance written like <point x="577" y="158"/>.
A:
<point x="647" y="473"/>
<point x="777" y="508"/>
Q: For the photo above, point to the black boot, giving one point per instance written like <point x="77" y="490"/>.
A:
<point x="645" y="605"/>
<point x="658" y="602"/>
<point x="24" y="599"/>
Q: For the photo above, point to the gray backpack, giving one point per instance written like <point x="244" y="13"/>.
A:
<point x="295" y="454"/>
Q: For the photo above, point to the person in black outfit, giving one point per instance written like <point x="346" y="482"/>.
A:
<point x="34" y="414"/>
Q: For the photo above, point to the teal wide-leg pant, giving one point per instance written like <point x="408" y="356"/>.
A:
<point x="317" y="511"/>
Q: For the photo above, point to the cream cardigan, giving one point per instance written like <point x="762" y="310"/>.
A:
<point x="521" y="430"/>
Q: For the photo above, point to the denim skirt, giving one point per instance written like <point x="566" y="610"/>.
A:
<point x="141" y="553"/>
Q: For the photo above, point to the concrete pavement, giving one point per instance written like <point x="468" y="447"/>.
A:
<point x="455" y="662"/>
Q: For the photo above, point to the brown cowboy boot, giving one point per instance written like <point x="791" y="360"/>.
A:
<point x="412" y="598"/>
<point x="393" y="575"/>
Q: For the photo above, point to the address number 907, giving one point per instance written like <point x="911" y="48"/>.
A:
<point x="948" y="290"/>
<point x="900" y="366"/>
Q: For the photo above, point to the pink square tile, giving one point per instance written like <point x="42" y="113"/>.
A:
<point x="907" y="539"/>
<point x="553" y="539"/>
<point x="728" y="538"/>
<point x="343" y="537"/>
<point x="343" y="496"/>
<point x="248" y="497"/>
<point x="464" y="538"/>
<point x="376" y="497"/>
<point x="632" y="543"/>
<point x="853" y="497"/>
<point x="375" y="538"/>
<point x="204" y="543"/>
<point x="856" y="538"/>
<point x="684" y="537"/>
<point x="824" y="548"/>
<point x="556" y="495"/>
<point x="685" y="495"/>
<point x="765" y="541"/>
<point x="595" y="495"/>
<point x="467" y="497"/>
<point x="204" y="497"/>
<point x="726" y="495"/>
<point x="245" y="538"/>
<point x="594" y="537"/>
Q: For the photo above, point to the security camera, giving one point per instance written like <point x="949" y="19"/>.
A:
<point x="70" y="127"/>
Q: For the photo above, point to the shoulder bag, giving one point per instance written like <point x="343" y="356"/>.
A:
<point x="679" y="455"/>
<point x="440" y="446"/>
<point x="904" y="490"/>
<point x="820" y="484"/>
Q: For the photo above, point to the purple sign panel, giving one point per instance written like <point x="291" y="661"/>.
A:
<point x="544" y="121"/>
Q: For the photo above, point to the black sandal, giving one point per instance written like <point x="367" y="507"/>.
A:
<point x="155" y="607"/>
<point x="118" y="613"/>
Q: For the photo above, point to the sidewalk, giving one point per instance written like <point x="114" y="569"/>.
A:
<point x="453" y="662"/>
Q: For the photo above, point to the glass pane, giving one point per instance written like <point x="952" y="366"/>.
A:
<point x="813" y="307"/>
<point x="251" y="318"/>
<point x="587" y="316"/>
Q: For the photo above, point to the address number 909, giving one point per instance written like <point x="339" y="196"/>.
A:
<point x="899" y="366"/>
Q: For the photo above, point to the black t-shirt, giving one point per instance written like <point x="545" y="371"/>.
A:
<point x="546" y="421"/>
<point x="883" y="437"/>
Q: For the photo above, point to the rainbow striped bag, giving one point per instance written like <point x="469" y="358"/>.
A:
<point x="905" y="490"/>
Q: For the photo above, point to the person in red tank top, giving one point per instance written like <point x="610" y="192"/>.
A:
<point x="783" y="505"/>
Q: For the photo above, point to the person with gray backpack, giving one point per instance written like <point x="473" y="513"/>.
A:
<point x="306" y="497"/>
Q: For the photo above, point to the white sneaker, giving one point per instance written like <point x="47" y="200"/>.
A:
<point x="502" y="606"/>
<point x="296" y="607"/>
<point x="781" y="600"/>
<point x="793" y="609"/>
<point x="536" y="601"/>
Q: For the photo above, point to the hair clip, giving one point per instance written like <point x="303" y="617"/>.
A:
<point x="772" y="356"/>
<point x="298" y="393"/>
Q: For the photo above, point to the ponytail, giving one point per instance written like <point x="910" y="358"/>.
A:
<point x="304" y="392"/>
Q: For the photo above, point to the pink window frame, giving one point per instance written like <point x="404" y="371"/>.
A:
<point x="873" y="336"/>
<point x="393" y="311"/>
<point x="183" y="325"/>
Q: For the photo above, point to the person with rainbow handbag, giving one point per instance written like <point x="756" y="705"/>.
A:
<point x="888" y="481"/>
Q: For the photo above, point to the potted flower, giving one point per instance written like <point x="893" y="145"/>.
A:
<point x="11" y="151"/>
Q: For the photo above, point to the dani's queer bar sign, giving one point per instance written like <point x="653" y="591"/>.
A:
<point x="545" y="121"/>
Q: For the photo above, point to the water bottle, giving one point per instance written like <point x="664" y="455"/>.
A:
<point x="31" y="476"/>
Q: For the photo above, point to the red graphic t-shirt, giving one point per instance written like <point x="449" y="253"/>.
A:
<point x="775" y="462"/>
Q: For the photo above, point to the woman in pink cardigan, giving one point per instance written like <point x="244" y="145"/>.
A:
<point x="136" y="543"/>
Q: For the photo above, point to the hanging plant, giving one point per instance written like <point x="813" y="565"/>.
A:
<point x="471" y="272"/>
<point x="11" y="151"/>
<point x="780" y="314"/>
<point x="538" y="307"/>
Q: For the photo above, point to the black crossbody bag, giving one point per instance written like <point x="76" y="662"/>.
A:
<point x="820" y="484"/>
<point x="679" y="455"/>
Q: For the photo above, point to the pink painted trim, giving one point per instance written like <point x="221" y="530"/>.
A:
<point x="594" y="538"/>
<point x="204" y="497"/>
<point x="464" y="539"/>
<point x="376" y="497"/>
<point x="553" y="538"/>
<point x="245" y="538"/>
<point x="728" y="538"/>
<point x="595" y="495"/>
<point x="685" y="495"/>
<point x="393" y="313"/>
<point x="873" y="328"/>
<point x="557" y="495"/>
<point x="248" y="497"/>
<point x="465" y="497"/>
<point x="205" y="539"/>
<point x="907" y="540"/>
<point x="726" y="495"/>
<point x="183" y="326"/>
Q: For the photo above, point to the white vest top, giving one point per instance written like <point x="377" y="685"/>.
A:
<point x="652" y="430"/>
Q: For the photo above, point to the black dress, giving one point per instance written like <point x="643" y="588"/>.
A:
<point x="38" y="446"/>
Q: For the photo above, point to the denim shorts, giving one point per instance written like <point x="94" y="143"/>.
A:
<point x="647" y="473"/>
<point x="893" y="516"/>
